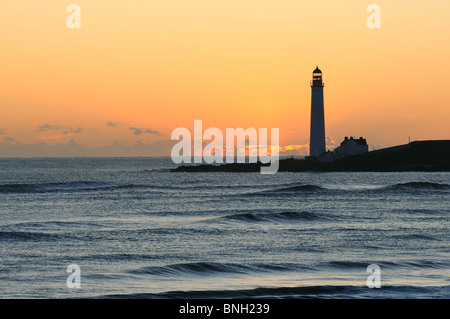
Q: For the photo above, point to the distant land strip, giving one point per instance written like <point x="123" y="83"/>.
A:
<point x="425" y="156"/>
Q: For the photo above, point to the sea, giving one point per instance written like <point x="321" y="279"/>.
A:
<point x="135" y="229"/>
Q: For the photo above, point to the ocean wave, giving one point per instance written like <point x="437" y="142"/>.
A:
<point x="305" y="292"/>
<point x="288" y="190"/>
<point x="60" y="187"/>
<point x="121" y="257"/>
<point x="422" y="211"/>
<point x="404" y="264"/>
<point x="410" y="237"/>
<point x="153" y="170"/>
<point x="291" y="190"/>
<point x="272" y="217"/>
<point x="418" y="186"/>
<point x="27" y="236"/>
<point x="299" y="188"/>
<point x="284" y="190"/>
<point x="347" y="264"/>
<point x="210" y="268"/>
<point x="361" y="265"/>
<point x="422" y="264"/>
<point x="367" y="188"/>
<point x="99" y="186"/>
<point x="53" y="224"/>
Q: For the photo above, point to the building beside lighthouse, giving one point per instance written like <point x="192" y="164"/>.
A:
<point x="317" y="130"/>
<point x="351" y="146"/>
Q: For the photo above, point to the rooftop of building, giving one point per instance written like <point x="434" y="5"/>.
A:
<point x="360" y="141"/>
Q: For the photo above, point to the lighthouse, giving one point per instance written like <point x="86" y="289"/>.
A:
<point x="317" y="133"/>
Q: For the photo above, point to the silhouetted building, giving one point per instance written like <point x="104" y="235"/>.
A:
<point x="351" y="146"/>
<point x="317" y="133"/>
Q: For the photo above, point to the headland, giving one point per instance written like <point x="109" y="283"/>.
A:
<point x="426" y="156"/>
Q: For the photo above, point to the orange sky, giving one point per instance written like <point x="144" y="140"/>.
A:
<point x="150" y="66"/>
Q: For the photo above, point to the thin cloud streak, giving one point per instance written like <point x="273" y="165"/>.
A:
<point x="139" y="131"/>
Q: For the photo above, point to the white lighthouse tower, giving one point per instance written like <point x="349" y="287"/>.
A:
<point x="317" y="133"/>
